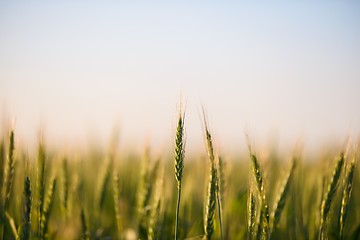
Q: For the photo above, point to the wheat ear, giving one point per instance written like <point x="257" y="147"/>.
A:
<point x="212" y="187"/>
<point x="179" y="164"/>
<point x="346" y="197"/>
<point x="329" y="195"/>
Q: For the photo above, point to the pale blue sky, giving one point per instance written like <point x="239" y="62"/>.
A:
<point x="285" y="69"/>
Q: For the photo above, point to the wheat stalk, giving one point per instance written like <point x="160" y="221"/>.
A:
<point x="9" y="173"/>
<point x="220" y="183"/>
<point x="8" y="181"/>
<point x="179" y="164"/>
<point x="143" y="183"/>
<point x="155" y="210"/>
<point x="116" y="196"/>
<point x="329" y="195"/>
<point x="346" y="197"/>
<point x="41" y="171"/>
<point x="264" y="222"/>
<point x="48" y="205"/>
<point x="102" y="186"/>
<point x="148" y="192"/>
<point x="24" y="233"/>
<point x="2" y="169"/>
<point x="281" y="200"/>
<point x="64" y="190"/>
<point x="251" y="213"/>
<point x="212" y="187"/>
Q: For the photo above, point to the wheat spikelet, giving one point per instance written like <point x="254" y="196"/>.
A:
<point x="8" y="181"/>
<point x="220" y="183"/>
<point x="143" y="183"/>
<point x="102" y="186"/>
<point x="346" y="197"/>
<point x="251" y="211"/>
<point x="212" y="187"/>
<point x="264" y="222"/>
<point x="9" y="173"/>
<point x="48" y="205"/>
<point x="148" y="192"/>
<point x="179" y="164"/>
<point x="155" y="210"/>
<point x="179" y="149"/>
<point x="281" y="200"/>
<point x="329" y="195"/>
<point x="24" y="232"/>
<point x="116" y="196"/>
<point x="41" y="172"/>
<point x="221" y="177"/>
<point x="210" y="205"/>
<point x="64" y="189"/>
<point x="2" y="168"/>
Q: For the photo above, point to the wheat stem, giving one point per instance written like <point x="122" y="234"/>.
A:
<point x="179" y="165"/>
<point x="8" y="181"/>
<point x="329" y="195"/>
<point x="25" y="229"/>
<point x="346" y="197"/>
<point x="212" y="187"/>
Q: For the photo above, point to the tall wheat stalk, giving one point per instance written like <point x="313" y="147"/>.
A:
<point x="329" y="195"/>
<point x="48" y="205"/>
<point x="41" y="175"/>
<point x="220" y="184"/>
<point x="146" y="194"/>
<point x="2" y="170"/>
<point x="155" y="209"/>
<point x="212" y="187"/>
<point x="281" y="200"/>
<point x="116" y="196"/>
<point x="179" y="164"/>
<point x="25" y="230"/>
<point x="64" y="188"/>
<point x="251" y="213"/>
<point x="264" y="221"/>
<point x="8" y="181"/>
<point x="346" y="197"/>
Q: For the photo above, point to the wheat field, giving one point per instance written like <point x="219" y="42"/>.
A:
<point x="107" y="194"/>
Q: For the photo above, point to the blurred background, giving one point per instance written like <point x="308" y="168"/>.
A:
<point x="278" y="71"/>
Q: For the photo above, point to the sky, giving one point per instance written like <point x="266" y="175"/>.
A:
<point x="278" y="71"/>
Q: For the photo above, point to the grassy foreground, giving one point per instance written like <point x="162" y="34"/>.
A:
<point x="107" y="195"/>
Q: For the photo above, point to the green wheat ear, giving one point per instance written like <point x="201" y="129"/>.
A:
<point x="346" y="197"/>
<point x="329" y="195"/>
<point x="64" y="188"/>
<point x="102" y="186"/>
<point x="116" y="196"/>
<point x="220" y="188"/>
<point x="2" y="168"/>
<point x="8" y="182"/>
<point x="281" y="200"/>
<point x="155" y="208"/>
<point x="251" y="214"/>
<point x="24" y="231"/>
<point x="179" y="163"/>
<point x="264" y="222"/>
<point x="9" y="173"/>
<point x="210" y="207"/>
<point x="48" y="206"/>
<point x="41" y="172"/>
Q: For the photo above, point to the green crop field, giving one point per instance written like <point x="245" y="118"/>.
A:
<point x="106" y="194"/>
